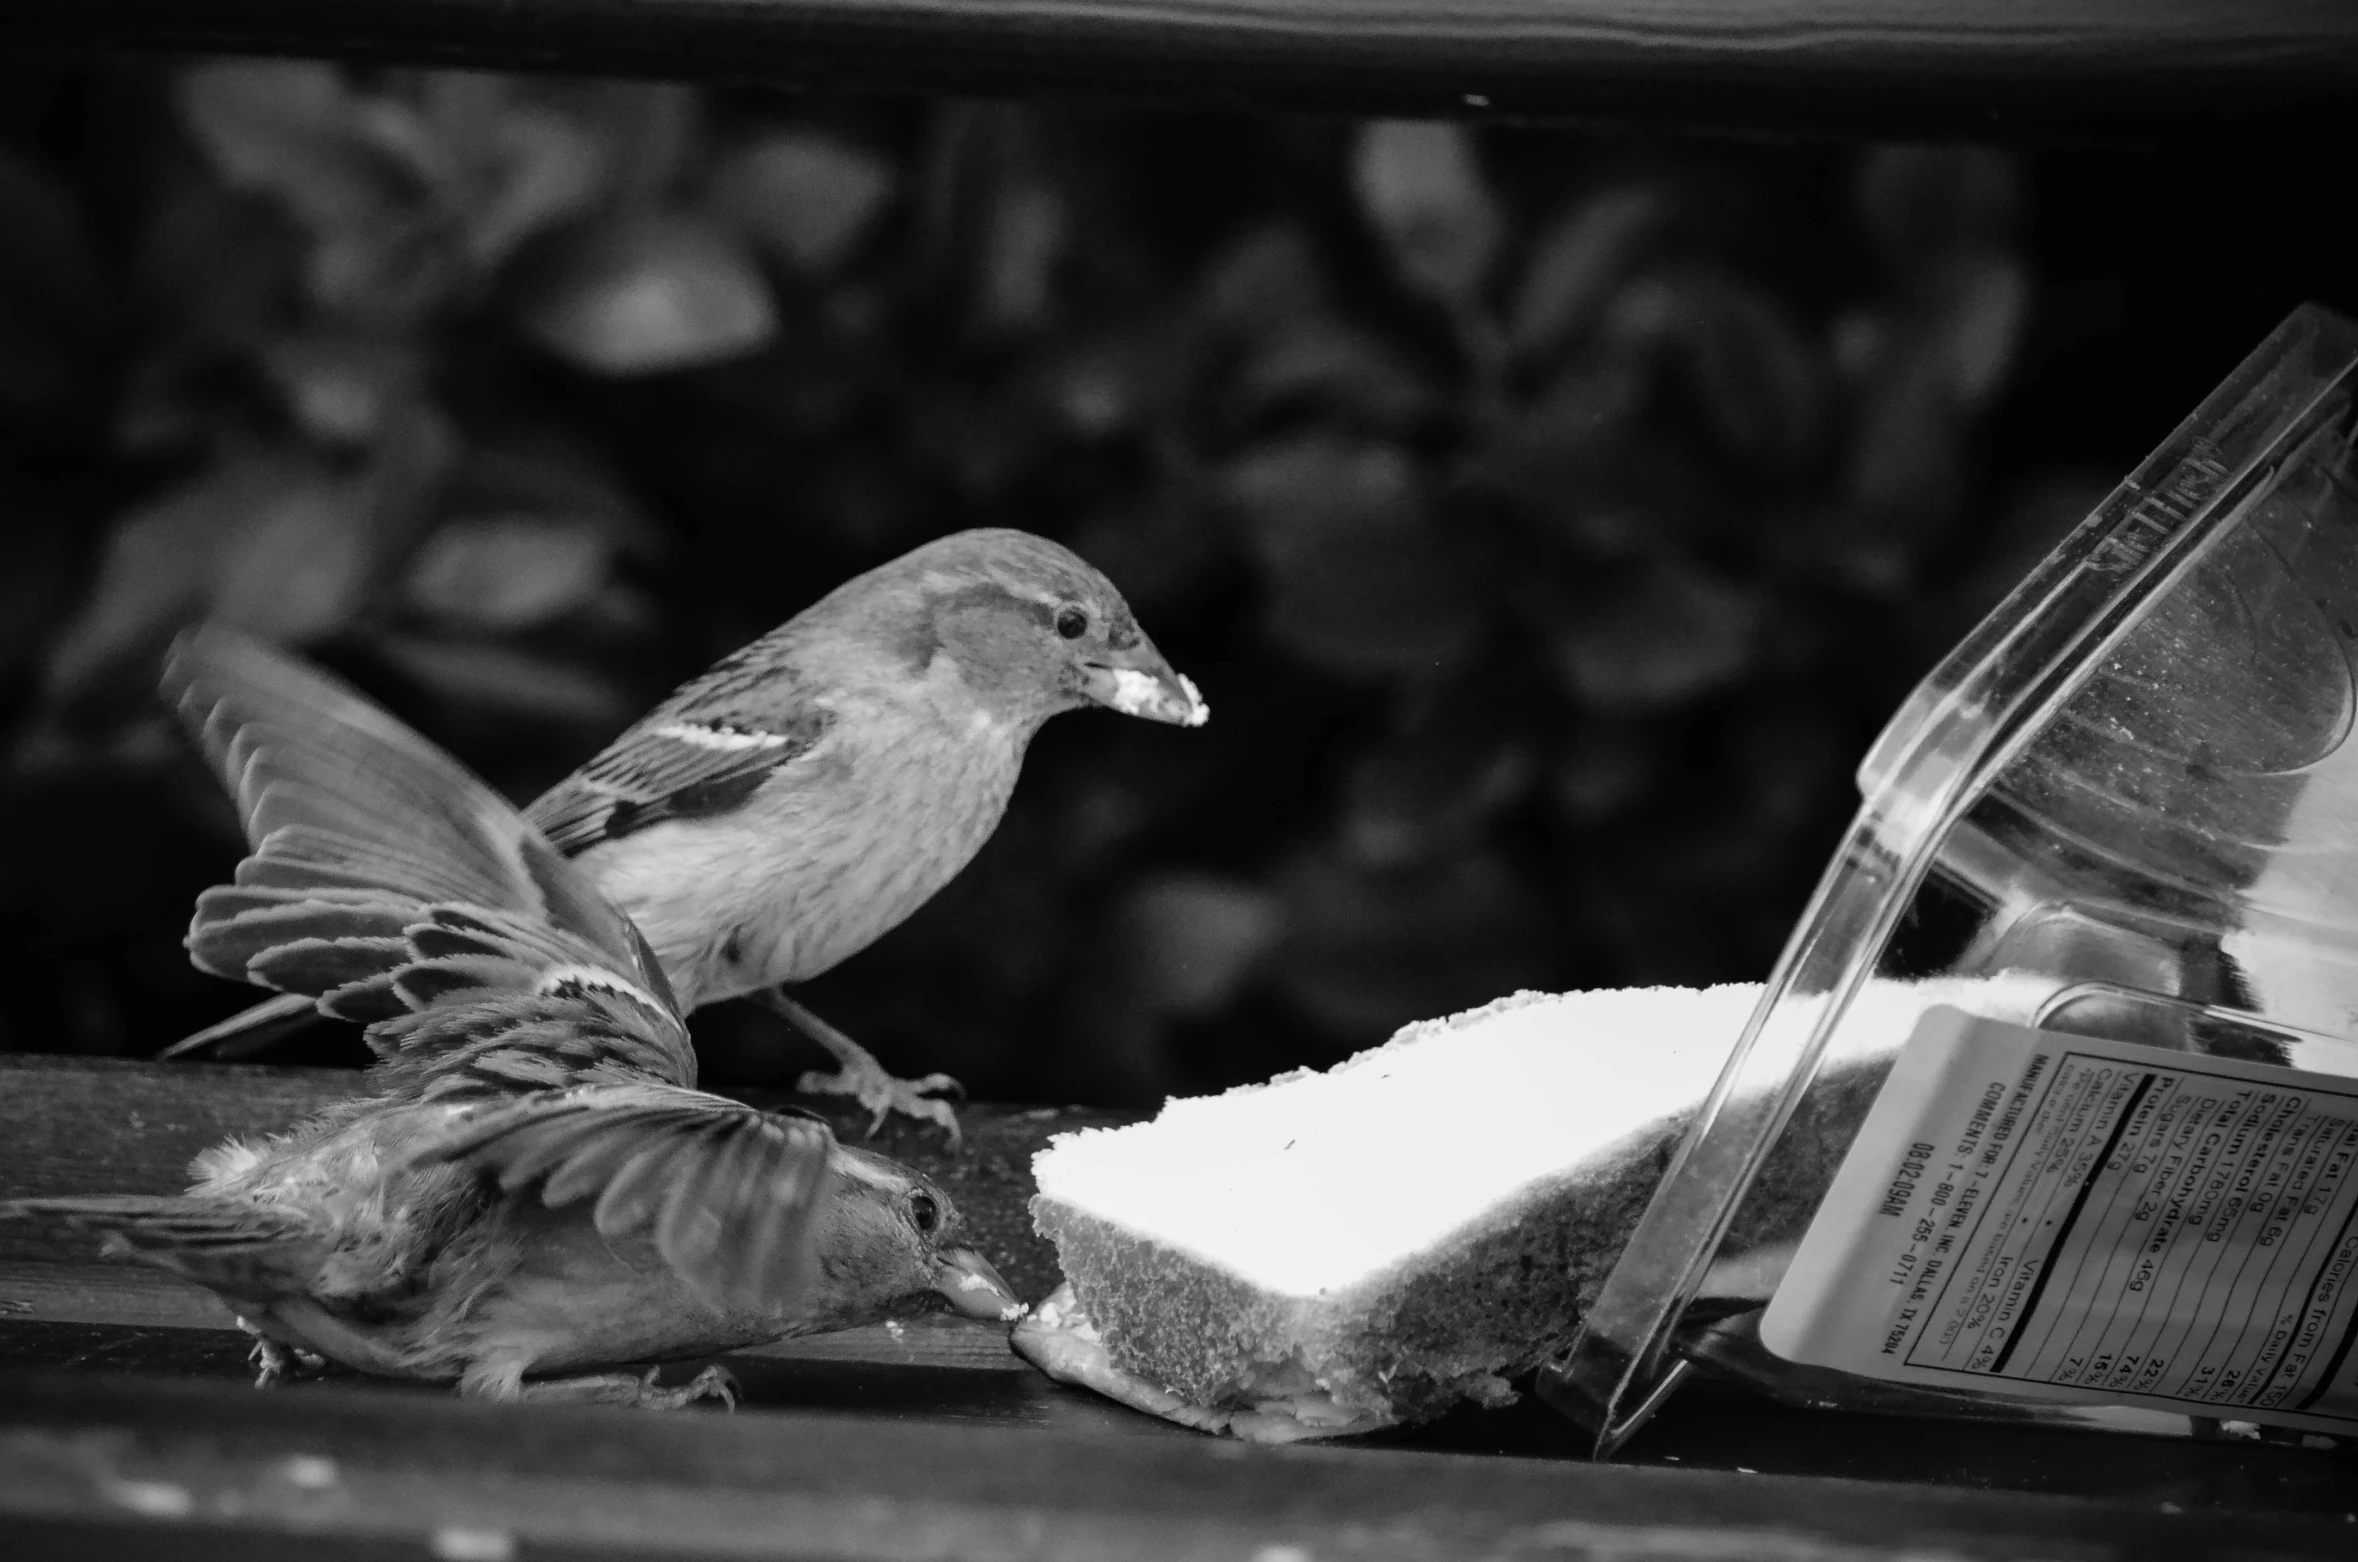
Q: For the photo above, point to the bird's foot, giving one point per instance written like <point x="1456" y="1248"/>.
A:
<point x="639" y="1393"/>
<point x="273" y="1361"/>
<point x="712" y="1383"/>
<point x="858" y="1074"/>
<point x="884" y="1095"/>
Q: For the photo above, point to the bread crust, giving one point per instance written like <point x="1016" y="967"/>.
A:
<point x="1454" y="1323"/>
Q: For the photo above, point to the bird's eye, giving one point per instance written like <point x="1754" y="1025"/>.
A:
<point x="1072" y="623"/>
<point x="924" y="1212"/>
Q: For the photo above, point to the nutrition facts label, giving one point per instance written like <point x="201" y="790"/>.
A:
<point x="2055" y="1217"/>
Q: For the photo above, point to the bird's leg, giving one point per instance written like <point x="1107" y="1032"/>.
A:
<point x="640" y="1393"/>
<point x="860" y="1076"/>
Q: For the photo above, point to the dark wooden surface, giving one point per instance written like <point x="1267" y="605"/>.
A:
<point x="95" y="1453"/>
<point x="1866" y="66"/>
<point x="123" y="1403"/>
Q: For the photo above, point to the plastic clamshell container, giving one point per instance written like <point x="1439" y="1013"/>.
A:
<point x="2126" y="807"/>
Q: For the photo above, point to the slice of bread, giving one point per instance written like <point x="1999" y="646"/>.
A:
<point x="1335" y="1252"/>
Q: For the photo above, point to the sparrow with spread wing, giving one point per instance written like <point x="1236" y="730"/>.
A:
<point x="806" y="794"/>
<point x="531" y="1185"/>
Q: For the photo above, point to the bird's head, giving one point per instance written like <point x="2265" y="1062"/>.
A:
<point x="887" y="1244"/>
<point x="1030" y="628"/>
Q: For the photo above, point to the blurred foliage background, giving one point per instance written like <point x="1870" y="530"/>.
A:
<point x="1550" y="517"/>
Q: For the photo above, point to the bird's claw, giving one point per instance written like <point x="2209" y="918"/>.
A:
<point x="273" y="1361"/>
<point x="606" y="1388"/>
<point x="884" y="1095"/>
<point x="715" y="1382"/>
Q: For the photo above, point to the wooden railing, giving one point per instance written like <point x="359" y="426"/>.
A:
<point x="1873" y="67"/>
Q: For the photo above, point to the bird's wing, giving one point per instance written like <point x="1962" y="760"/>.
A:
<point x="487" y="1004"/>
<point x="344" y="807"/>
<point x="394" y="888"/>
<point x="674" y="766"/>
<point x="724" y="1191"/>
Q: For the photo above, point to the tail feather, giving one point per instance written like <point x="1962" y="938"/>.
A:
<point x="249" y="1030"/>
<point x="232" y="1247"/>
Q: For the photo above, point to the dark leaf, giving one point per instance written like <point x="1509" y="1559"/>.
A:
<point x="387" y="274"/>
<point x="343" y="388"/>
<point x="276" y="544"/>
<point x="52" y="303"/>
<point x="36" y="558"/>
<point x="1420" y="184"/>
<point x="1264" y="282"/>
<point x="534" y="169"/>
<point x="1906" y="472"/>
<point x="1761" y="383"/>
<point x="217" y="267"/>
<point x="296" y="566"/>
<point x="1360" y="583"/>
<point x="294" y="129"/>
<point x="360" y="172"/>
<point x="1647" y="315"/>
<point x="1979" y="306"/>
<point x="1651" y="637"/>
<point x="646" y="294"/>
<point x="1022" y="247"/>
<point x="1923" y="204"/>
<point x="1605" y="481"/>
<point x="651" y="131"/>
<point x="1292" y="493"/>
<point x="1602" y="772"/>
<point x="415" y="449"/>
<point x="1323" y="365"/>
<point x="1115" y="380"/>
<point x="1184" y="943"/>
<point x="1578" y="262"/>
<point x="1432" y="786"/>
<point x="503" y="573"/>
<point x="1391" y="599"/>
<point x="507" y="163"/>
<point x="1792" y="751"/>
<point x="545" y="472"/>
<point x="805" y="197"/>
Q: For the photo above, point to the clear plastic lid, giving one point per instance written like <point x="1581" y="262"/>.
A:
<point x="2125" y="806"/>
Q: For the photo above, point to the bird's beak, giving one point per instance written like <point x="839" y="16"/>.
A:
<point x="973" y="1287"/>
<point x="1140" y="683"/>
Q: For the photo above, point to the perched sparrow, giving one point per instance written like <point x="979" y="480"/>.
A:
<point x="532" y="1185"/>
<point x="806" y="794"/>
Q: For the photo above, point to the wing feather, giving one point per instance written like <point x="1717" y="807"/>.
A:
<point x="674" y="766"/>
<point x="723" y="1191"/>
<point x="392" y="887"/>
<point x="324" y="964"/>
<point x="367" y="799"/>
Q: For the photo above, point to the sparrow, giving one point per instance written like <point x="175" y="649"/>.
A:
<point x="780" y="812"/>
<point x="531" y="1190"/>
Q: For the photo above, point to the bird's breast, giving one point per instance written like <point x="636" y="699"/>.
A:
<point x="821" y="861"/>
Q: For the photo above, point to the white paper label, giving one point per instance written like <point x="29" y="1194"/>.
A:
<point x="2053" y="1217"/>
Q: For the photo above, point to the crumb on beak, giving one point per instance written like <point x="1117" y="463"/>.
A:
<point x="1136" y="693"/>
<point x="966" y="1280"/>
